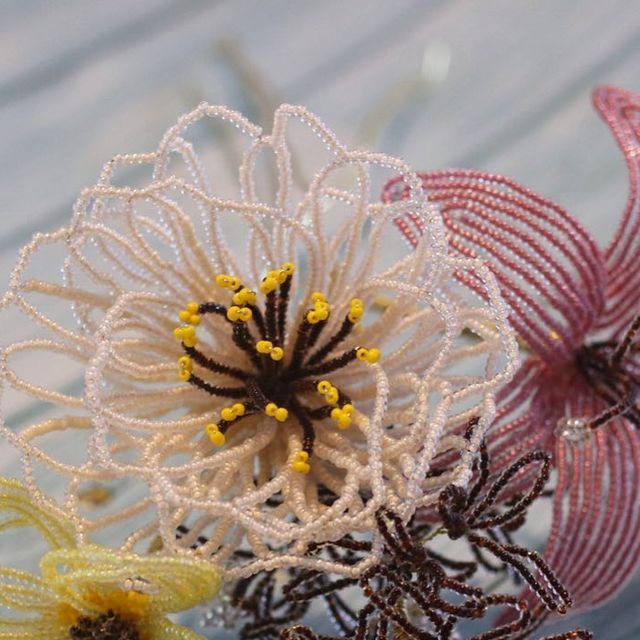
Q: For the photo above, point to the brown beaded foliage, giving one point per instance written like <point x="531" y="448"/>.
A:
<point x="413" y="592"/>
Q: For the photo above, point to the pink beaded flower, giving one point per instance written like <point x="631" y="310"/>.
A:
<point x="575" y="308"/>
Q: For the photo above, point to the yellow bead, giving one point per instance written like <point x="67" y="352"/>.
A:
<point x="194" y="319"/>
<point x="344" y="422"/>
<point x="184" y="375"/>
<point x="177" y="332"/>
<point x="245" y="314"/>
<point x="277" y="354"/>
<point x="312" y="317"/>
<point x="185" y="363"/>
<point x="222" y="280"/>
<point x="264" y="346"/>
<point x="362" y="354"/>
<point x="323" y="387"/>
<point x="301" y="467"/>
<point x="281" y="414"/>
<point x="184" y="315"/>
<point x="271" y="409"/>
<point x="373" y="356"/>
<point x="188" y="332"/>
<point x="213" y="431"/>
<point x="348" y="409"/>
<point x="268" y="285"/>
<point x="288" y="268"/>
<point x="228" y="414"/>
<point x="250" y="297"/>
<point x="239" y="408"/>
<point x="322" y="314"/>
<point x="193" y="307"/>
<point x="302" y="456"/>
<point x="244" y="296"/>
<point x="281" y="276"/>
<point x="356" y="303"/>
<point x="316" y="296"/>
<point x="332" y="396"/>
<point x="233" y="313"/>
<point x="190" y="341"/>
<point x="336" y="414"/>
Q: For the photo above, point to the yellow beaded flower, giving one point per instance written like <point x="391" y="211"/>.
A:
<point x="90" y="591"/>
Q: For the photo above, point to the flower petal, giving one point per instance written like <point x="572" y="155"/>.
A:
<point x="621" y="111"/>
<point x="549" y="269"/>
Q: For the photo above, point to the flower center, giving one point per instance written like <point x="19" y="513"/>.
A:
<point x="283" y="366"/>
<point x="105" y="626"/>
<point x="602" y="364"/>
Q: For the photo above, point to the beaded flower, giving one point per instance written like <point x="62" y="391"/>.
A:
<point x="91" y="592"/>
<point x="577" y="309"/>
<point x="264" y="357"/>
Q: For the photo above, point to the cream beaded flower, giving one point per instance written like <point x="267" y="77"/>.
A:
<point x="267" y="366"/>
<point x="90" y="591"/>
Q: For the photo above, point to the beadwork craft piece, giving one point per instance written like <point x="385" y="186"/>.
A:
<point x="264" y="360"/>
<point x="89" y="592"/>
<point x="576" y="308"/>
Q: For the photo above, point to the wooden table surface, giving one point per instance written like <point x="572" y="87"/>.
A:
<point x="496" y="85"/>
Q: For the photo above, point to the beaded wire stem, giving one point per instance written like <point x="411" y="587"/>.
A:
<point x="576" y="308"/>
<point x="239" y="450"/>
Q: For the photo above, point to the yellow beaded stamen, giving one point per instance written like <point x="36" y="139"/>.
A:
<point x="186" y="335"/>
<point x="274" y="411"/>
<point x="185" y="368"/>
<point x="355" y="310"/>
<point x="233" y="412"/>
<point x="265" y="347"/>
<point x="343" y="416"/>
<point x="321" y="308"/>
<point x="368" y="355"/>
<point x="300" y="463"/>
<point x="330" y="393"/>
<point x="228" y="282"/>
<point x="244" y="296"/>
<point x="239" y="314"/>
<point x="215" y="435"/>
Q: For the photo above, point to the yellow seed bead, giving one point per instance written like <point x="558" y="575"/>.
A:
<point x="192" y="307"/>
<point x="222" y="280"/>
<point x="281" y="276"/>
<point x="250" y="297"/>
<point x="245" y="314"/>
<point x="356" y="303"/>
<point x="323" y="314"/>
<point x="188" y="332"/>
<point x="184" y="315"/>
<point x="268" y="285"/>
<point x="244" y="296"/>
<point x="233" y="313"/>
<point x="302" y="456"/>
<point x="184" y="375"/>
<point x="373" y="356"/>
<point x="234" y="283"/>
<point x="362" y="354"/>
<point x="312" y="317"/>
<point x="194" y="319"/>
<point x="228" y="414"/>
<point x="215" y="435"/>
<point x="332" y="396"/>
<point x="177" y="332"/>
<point x="190" y="341"/>
<point x="323" y="387"/>
<point x="281" y="414"/>
<point x="336" y="414"/>
<point x="271" y="409"/>
<point x="289" y="268"/>
<point x="316" y="296"/>
<point x="348" y="409"/>
<point x="264" y="346"/>
<point x="277" y="354"/>
<point x="239" y="408"/>
<point x="301" y="467"/>
<point x="344" y="422"/>
<point x="185" y="363"/>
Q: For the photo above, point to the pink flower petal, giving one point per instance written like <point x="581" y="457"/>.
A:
<point x="550" y="270"/>
<point x="621" y="111"/>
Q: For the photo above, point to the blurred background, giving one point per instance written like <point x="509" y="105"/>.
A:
<point x="496" y="85"/>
